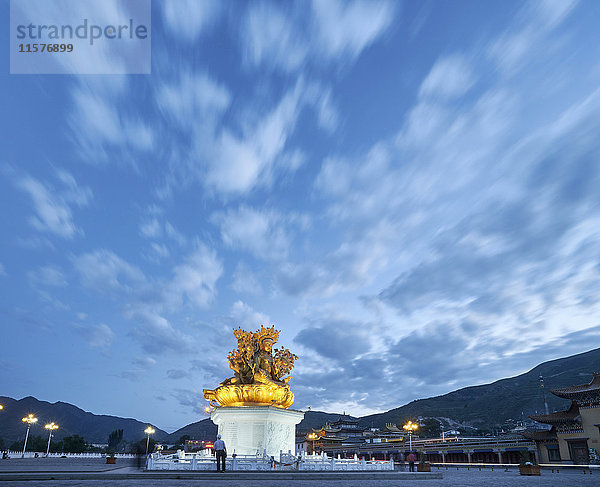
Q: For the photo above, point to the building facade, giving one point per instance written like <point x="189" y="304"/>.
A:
<point x="574" y="437"/>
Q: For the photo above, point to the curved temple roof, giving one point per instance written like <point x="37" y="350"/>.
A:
<point x="571" y="415"/>
<point x="591" y="390"/>
<point x="540" y="435"/>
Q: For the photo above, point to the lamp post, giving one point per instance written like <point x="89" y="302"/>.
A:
<point x="50" y="427"/>
<point x="29" y="419"/>
<point x="410" y="427"/>
<point x="149" y="431"/>
<point x="313" y="437"/>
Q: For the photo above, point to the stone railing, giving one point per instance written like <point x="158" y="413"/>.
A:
<point x="32" y="454"/>
<point x="206" y="461"/>
<point x="286" y="461"/>
<point x="323" y="462"/>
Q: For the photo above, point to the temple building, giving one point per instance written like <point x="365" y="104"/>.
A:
<point x="346" y="426"/>
<point x="345" y="437"/>
<point x="343" y="429"/>
<point x="574" y="436"/>
<point x="345" y="434"/>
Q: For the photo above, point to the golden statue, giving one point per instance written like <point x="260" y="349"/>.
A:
<point x="259" y="372"/>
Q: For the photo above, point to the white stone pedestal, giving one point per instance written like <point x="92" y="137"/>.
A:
<point x="247" y="430"/>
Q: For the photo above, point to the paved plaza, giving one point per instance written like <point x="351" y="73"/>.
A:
<point x="451" y="479"/>
<point x="21" y="471"/>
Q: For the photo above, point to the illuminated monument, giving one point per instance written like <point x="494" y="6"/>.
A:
<point x="251" y="408"/>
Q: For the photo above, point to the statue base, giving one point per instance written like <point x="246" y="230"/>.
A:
<point x="248" y="430"/>
<point x="236" y="395"/>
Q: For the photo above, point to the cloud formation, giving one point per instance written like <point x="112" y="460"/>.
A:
<point x="412" y="201"/>
<point x="97" y="336"/>
<point x="450" y="77"/>
<point x="188" y="19"/>
<point x="150" y="301"/>
<point x="262" y="233"/>
<point x="287" y="36"/>
<point x="52" y="203"/>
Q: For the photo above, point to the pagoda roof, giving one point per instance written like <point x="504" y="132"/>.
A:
<point x="571" y="415"/>
<point x="327" y="431"/>
<point x="344" y="418"/>
<point x="327" y="428"/>
<point x="540" y="435"/>
<point x="588" y="391"/>
<point x="332" y="438"/>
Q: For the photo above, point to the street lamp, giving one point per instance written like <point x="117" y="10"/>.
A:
<point x="149" y="431"/>
<point x="29" y="419"/>
<point x="313" y="437"/>
<point x="410" y="427"/>
<point x="50" y="427"/>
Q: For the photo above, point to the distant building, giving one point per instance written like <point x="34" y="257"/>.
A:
<point x="197" y="445"/>
<point x="301" y="444"/>
<point x="344" y="437"/>
<point x="390" y="434"/>
<point x="574" y="436"/>
<point x="451" y="433"/>
<point x="346" y="426"/>
<point x="345" y="434"/>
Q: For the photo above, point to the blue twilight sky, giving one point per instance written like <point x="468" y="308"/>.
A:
<point x="410" y="191"/>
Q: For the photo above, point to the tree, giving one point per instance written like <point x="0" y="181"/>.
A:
<point x="57" y="446"/>
<point x="37" y="443"/>
<point x="34" y="443"/>
<point x="430" y="428"/>
<point x="140" y="446"/>
<point x="114" y="440"/>
<point x="74" y="444"/>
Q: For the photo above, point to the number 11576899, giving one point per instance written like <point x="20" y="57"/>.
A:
<point x="45" y="47"/>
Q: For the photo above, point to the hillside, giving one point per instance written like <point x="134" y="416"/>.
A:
<point x="490" y="405"/>
<point x="315" y="419"/>
<point x="200" y="430"/>
<point x="484" y="406"/>
<point x="72" y="420"/>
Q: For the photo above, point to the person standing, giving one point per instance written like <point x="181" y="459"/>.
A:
<point x="411" y="461"/>
<point x="221" y="453"/>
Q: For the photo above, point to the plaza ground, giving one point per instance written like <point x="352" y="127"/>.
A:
<point x="127" y="474"/>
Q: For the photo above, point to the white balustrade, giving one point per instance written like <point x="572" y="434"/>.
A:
<point x="205" y="461"/>
<point x="31" y="454"/>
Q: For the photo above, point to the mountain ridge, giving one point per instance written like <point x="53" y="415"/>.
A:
<point x="482" y="406"/>
<point x="490" y="405"/>
<point x="72" y="420"/>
